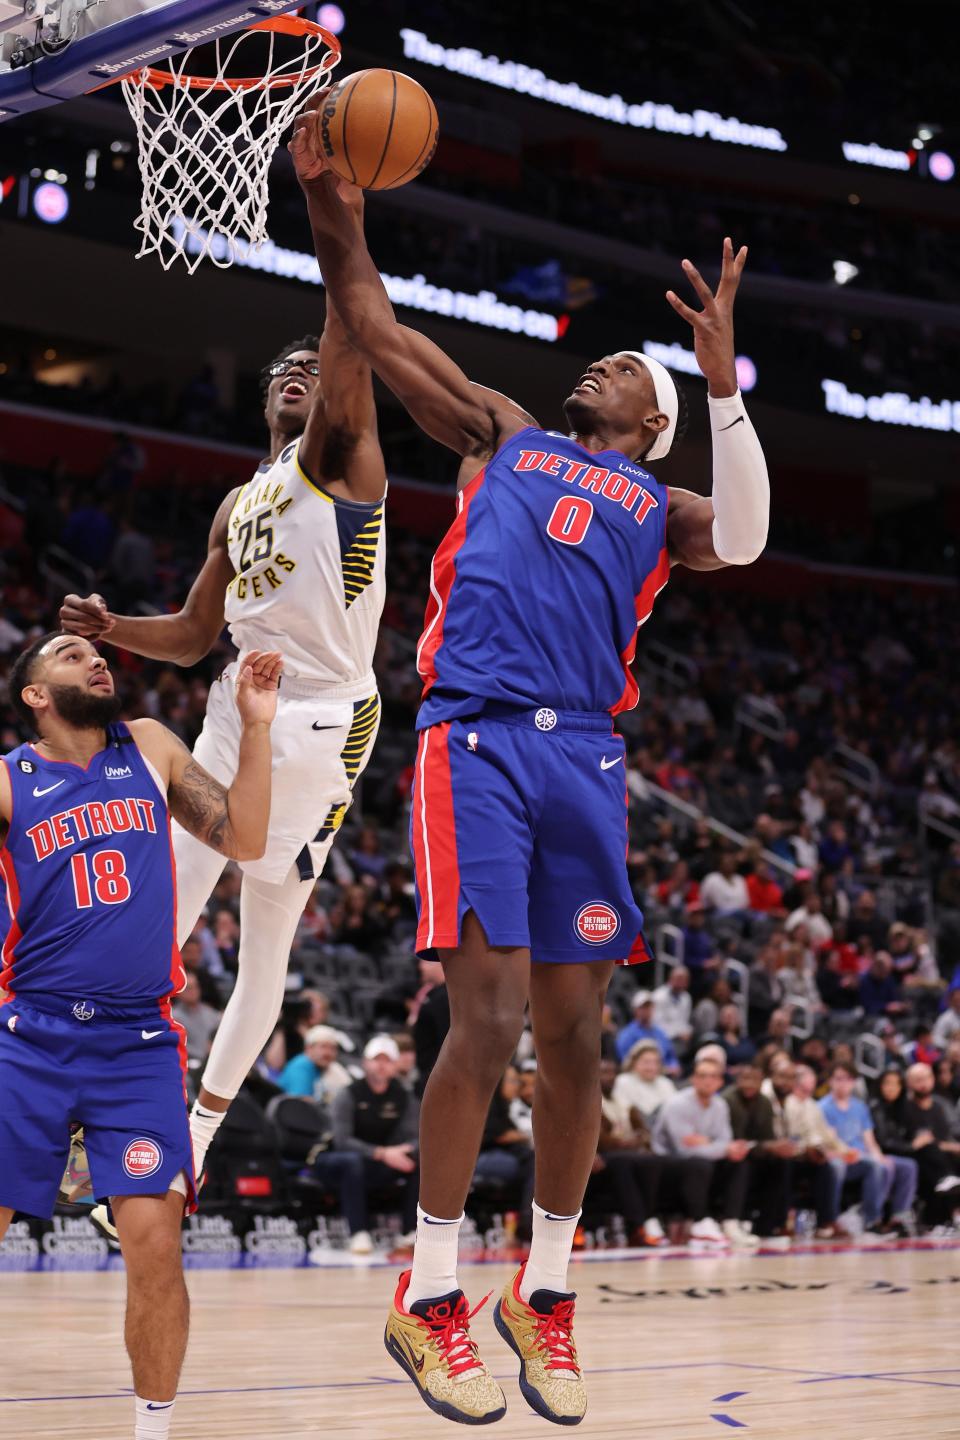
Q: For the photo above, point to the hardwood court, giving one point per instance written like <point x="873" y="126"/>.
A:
<point x="858" y="1345"/>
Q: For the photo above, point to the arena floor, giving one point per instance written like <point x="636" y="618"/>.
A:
<point x="836" y="1344"/>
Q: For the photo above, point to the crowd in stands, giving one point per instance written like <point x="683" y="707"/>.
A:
<point x="814" y="917"/>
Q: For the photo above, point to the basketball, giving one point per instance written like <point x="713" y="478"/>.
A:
<point x="378" y="129"/>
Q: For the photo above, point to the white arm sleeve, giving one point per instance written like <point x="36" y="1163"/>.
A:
<point x="741" y="489"/>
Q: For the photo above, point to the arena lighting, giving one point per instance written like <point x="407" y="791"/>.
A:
<point x="684" y="361"/>
<point x="51" y="203"/>
<point x="844" y="272"/>
<point x="877" y="155"/>
<point x="891" y="408"/>
<point x="480" y="308"/>
<point x="941" y="166"/>
<point x="524" y="80"/>
<point x="332" y="18"/>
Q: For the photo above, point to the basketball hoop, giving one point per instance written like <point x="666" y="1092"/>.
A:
<point x="206" y="141"/>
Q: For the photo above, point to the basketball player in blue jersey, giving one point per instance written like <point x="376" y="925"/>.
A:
<point x="295" y="563"/>
<point x="560" y="546"/>
<point x="90" y="963"/>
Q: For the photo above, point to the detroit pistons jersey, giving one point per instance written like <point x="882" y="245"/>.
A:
<point x="538" y="589"/>
<point x="89" y="877"/>
<point x="309" y="576"/>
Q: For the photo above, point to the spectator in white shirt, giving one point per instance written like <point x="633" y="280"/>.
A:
<point x="200" y="1021"/>
<point x="641" y="1085"/>
<point x="811" y="915"/>
<point x="724" y="891"/>
<point x="948" y="1023"/>
<point x="672" y="1007"/>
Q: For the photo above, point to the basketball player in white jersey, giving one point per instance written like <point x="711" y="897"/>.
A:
<point x="295" y="563"/>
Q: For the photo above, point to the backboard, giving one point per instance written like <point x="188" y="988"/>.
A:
<point x="53" y="50"/>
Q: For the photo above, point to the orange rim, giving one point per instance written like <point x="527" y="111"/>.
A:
<point x="282" y="25"/>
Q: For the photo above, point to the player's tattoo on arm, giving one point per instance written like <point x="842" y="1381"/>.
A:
<point x="201" y="805"/>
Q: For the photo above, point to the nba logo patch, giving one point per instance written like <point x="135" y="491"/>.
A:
<point x="597" y="922"/>
<point x="141" y="1158"/>
<point x="473" y="740"/>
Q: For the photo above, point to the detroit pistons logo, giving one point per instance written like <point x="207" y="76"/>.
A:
<point x="597" y="922"/>
<point x="142" y="1158"/>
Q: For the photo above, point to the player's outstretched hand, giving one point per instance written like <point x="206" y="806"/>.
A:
<point x="713" y="325"/>
<point x="87" y="617"/>
<point x="258" y="681"/>
<point x="314" y="174"/>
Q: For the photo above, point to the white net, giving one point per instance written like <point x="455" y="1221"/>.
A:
<point x="206" y="143"/>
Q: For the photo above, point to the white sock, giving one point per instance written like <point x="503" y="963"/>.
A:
<point x="204" y="1124"/>
<point x="153" y="1419"/>
<point x="550" y="1249"/>
<point x="434" y="1258"/>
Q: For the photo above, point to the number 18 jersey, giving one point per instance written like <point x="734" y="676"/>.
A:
<point x="540" y="585"/>
<point x="89" y="877"/>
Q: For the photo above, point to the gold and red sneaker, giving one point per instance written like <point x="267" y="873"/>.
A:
<point x="431" y="1343"/>
<point x="540" y="1334"/>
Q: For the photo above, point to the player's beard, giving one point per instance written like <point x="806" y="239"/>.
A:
<point x="83" y="709"/>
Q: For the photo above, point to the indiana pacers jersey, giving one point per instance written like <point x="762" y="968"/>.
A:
<point x="309" y="576"/>
<point x="540" y="585"/>
<point x="89" y="878"/>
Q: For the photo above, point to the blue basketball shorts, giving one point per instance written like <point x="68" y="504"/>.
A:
<point x="521" y="816"/>
<point x="116" y="1070"/>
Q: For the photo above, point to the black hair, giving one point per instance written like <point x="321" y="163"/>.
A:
<point x="21" y="675"/>
<point x="683" y="419"/>
<point x="306" y="342"/>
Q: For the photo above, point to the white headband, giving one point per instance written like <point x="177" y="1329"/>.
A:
<point x="667" y="402"/>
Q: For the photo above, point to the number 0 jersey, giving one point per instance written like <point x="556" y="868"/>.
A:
<point x="538" y="588"/>
<point x="90" y="878"/>
<point x="309" y="577"/>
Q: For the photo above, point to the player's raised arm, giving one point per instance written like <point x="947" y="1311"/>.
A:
<point x="436" y="392"/>
<point x="184" y="637"/>
<point x="340" y="441"/>
<point x="232" y="820"/>
<point x="730" y="527"/>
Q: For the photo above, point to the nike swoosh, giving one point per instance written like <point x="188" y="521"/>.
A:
<point x="38" y="793"/>
<point x="417" y="1364"/>
<point x="315" y="726"/>
<point x="149" y="1035"/>
<point x="606" y="764"/>
<point x="151" y="1406"/>
<point x="738" y="421"/>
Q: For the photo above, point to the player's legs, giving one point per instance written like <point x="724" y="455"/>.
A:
<point x="487" y="987"/>
<point x="429" y="1319"/>
<point x="269" y="915"/>
<point x="158" y="1307"/>
<point x="6" y="1215"/>
<point x="566" y="1004"/>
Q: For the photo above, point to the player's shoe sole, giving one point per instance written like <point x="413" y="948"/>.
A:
<point x="562" y="1401"/>
<point x="435" y="1352"/>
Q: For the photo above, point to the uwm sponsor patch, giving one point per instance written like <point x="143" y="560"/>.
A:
<point x="597" y="922"/>
<point x="141" y="1158"/>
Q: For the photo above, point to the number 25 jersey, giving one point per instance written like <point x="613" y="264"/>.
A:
<point x="540" y="585"/>
<point x="309" y="578"/>
<point x="90" y="878"/>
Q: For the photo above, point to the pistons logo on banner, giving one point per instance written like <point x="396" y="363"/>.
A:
<point x="597" y="922"/>
<point x="141" y="1158"/>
